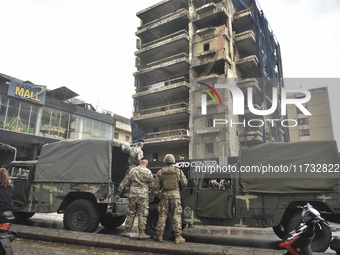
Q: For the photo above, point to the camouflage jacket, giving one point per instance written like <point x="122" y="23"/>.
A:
<point x="135" y="155"/>
<point x="182" y="180"/>
<point x="140" y="181"/>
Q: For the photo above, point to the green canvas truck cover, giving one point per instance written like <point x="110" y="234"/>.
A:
<point x="79" y="161"/>
<point x="311" y="154"/>
<point x="7" y="154"/>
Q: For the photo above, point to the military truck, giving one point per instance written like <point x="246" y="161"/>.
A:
<point x="7" y="154"/>
<point x="262" y="200"/>
<point x="76" y="178"/>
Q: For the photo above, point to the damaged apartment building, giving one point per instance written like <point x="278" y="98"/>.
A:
<point x="185" y="48"/>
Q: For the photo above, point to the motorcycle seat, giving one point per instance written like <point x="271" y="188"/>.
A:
<point x="6" y="214"/>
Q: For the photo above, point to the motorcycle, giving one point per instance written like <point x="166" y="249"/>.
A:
<point x="6" y="237"/>
<point x="298" y="241"/>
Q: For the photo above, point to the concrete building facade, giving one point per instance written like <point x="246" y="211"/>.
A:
<point x="185" y="48"/>
<point x="122" y="131"/>
<point x="318" y="126"/>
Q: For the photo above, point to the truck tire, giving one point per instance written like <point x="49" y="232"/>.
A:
<point x="322" y="237"/>
<point x="108" y="221"/>
<point x="279" y="231"/>
<point x="152" y="223"/>
<point x="23" y="215"/>
<point x="81" y="215"/>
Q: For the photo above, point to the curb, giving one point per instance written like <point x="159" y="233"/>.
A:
<point x="132" y="244"/>
<point x="229" y="230"/>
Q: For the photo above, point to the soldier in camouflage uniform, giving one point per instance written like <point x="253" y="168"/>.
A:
<point x="140" y="181"/>
<point x="135" y="156"/>
<point x="169" y="180"/>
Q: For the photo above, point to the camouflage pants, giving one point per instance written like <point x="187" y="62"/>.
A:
<point x="127" y="188"/>
<point x="138" y="205"/>
<point x="166" y="206"/>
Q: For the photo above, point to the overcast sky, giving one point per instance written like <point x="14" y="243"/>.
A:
<point x="89" y="45"/>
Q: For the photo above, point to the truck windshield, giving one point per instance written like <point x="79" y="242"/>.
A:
<point x="20" y="172"/>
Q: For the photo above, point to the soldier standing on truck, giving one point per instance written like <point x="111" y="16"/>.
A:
<point x="140" y="181"/>
<point x="135" y="156"/>
<point x="169" y="181"/>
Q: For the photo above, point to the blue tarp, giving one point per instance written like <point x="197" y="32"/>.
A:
<point x="266" y="51"/>
<point x="239" y="5"/>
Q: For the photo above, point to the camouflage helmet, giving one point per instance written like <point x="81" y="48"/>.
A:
<point x="169" y="159"/>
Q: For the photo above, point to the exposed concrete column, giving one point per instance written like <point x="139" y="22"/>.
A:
<point x="34" y="151"/>
<point x="191" y="81"/>
<point x="231" y="41"/>
<point x="38" y="121"/>
<point x="80" y="128"/>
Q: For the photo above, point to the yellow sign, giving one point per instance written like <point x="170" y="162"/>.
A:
<point x="26" y="93"/>
<point x="31" y="92"/>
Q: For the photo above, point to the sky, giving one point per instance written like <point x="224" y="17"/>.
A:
<point x="88" y="46"/>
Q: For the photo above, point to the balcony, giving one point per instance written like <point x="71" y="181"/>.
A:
<point x="167" y="113"/>
<point x="249" y="67"/>
<point x="168" y="68"/>
<point x="167" y="46"/>
<point x="244" y="84"/>
<point x="251" y="137"/>
<point x="210" y="14"/>
<point x="168" y="136"/>
<point x="207" y="57"/>
<point x="164" y="26"/>
<point x="243" y="21"/>
<point x="161" y="9"/>
<point x="248" y="114"/>
<point x="199" y="3"/>
<point x="246" y="43"/>
<point x="164" y="90"/>
<point x="211" y="32"/>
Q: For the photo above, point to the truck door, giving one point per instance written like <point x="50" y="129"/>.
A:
<point x="215" y="197"/>
<point x="20" y="177"/>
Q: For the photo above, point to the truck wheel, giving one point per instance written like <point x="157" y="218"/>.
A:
<point x="322" y="237"/>
<point x="108" y="221"/>
<point x="152" y="223"/>
<point x="23" y="215"/>
<point x="81" y="215"/>
<point x="279" y="231"/>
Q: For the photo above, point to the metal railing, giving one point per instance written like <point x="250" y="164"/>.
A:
<point x="163" y="108"/>
<point x="163" y="83"/>
<point x="169" y="133"/>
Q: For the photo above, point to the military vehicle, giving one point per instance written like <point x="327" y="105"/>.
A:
<point x="310" y="174"/>
<point x="7" y="155"/>
<point x="77" y="178"/>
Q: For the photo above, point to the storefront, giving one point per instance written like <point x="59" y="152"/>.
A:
<point x="31" y="115"/>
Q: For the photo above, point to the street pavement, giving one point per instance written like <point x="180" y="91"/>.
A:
<point x="200" y="240"/>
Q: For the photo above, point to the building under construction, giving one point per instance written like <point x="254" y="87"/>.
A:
<point x="185" y="48"/>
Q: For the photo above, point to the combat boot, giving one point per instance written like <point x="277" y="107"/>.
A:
<point x="126" y="233"/>
<point x="179" y="239"/>
<point x="158" y="238"/>
<point x="142" y="235"/>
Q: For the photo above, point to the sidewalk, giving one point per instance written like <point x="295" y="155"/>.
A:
<point x="132" y="244"/>
<point x="49" y="227"/>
